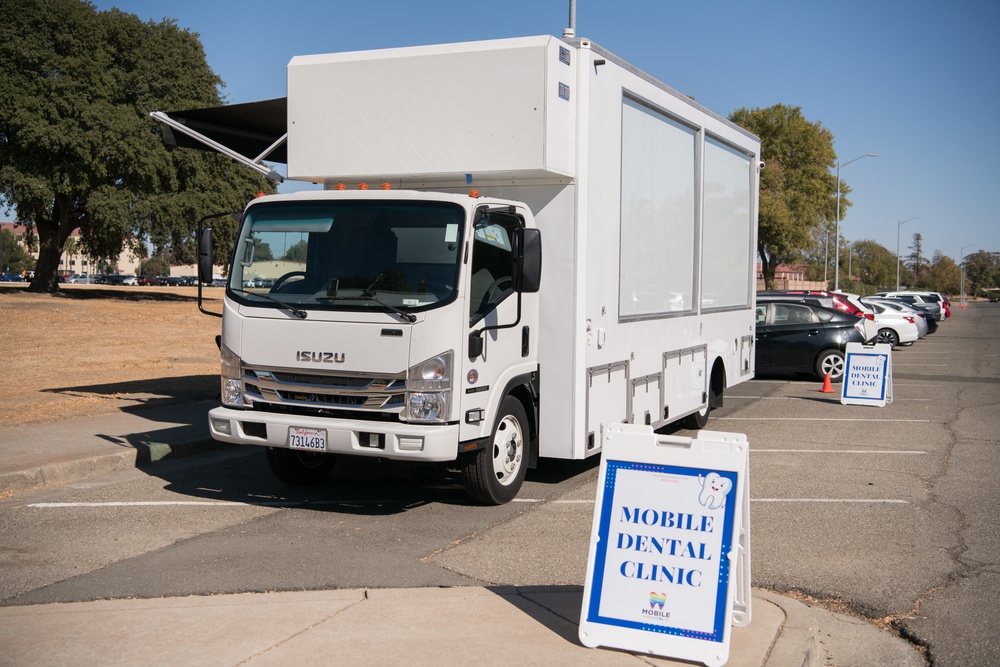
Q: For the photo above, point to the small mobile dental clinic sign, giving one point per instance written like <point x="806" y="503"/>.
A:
<point x="867" y="375"/>
<point x="668" y="572"/>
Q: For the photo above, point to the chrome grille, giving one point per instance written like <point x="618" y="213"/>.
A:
<point x="331" y="391"/>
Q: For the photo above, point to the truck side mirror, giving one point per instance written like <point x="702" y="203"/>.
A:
<point x="205" y="255"/>
<point x="528" y="272"/>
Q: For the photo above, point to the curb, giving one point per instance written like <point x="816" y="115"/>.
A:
<point x="141" y="456"/>
<point x="813" y="636"/>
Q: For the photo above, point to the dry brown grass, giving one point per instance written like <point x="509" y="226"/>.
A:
<point x="97" y="349"/>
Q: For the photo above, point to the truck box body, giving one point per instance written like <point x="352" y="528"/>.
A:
<point x="646" y="201"/>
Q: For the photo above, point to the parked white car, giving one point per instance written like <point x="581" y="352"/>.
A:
<point x="896" y="327"/>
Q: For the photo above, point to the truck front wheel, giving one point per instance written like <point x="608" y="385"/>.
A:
<point x="299" y="468"/>
<point x="493" y="475"/>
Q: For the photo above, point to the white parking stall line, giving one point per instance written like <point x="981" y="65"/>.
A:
<point x="823" y="419"/>
<point x="876" y="501"/>
<point x="837" y="451"/>
<point x="553" y="502"/>
<point x="765" y="398"/>
<point x="799" y="398"/>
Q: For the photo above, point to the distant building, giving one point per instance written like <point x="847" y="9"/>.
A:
<point x="790" y="276"/>
<point x="73" y="260"/>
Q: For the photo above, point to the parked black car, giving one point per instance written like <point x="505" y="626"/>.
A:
<point x="803" y="338"/>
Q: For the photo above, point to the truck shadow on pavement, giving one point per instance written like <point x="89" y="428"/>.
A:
<point x="357" y="485"/>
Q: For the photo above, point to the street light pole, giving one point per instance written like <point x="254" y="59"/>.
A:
<point x="961" y="255"/>
<point x="826" y="256"/>
<point x="898" y="225"/>
<point x="836" y="254"/>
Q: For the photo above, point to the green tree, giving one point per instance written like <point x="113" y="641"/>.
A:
<point x="154" y="266"/>
<point x="944" y="275"/>
<point x="263" y="253"/>
<point x="13" y="257"/>
<point x="77" y="146"/>
<point x="981" y="271"/>
<point x="917" y="263"/>
<point x="874" y="266"/>
<point x="297" y="252"/>
<point x="797" y="189"/>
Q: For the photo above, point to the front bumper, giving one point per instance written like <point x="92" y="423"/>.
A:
<point x="405" y="442"/>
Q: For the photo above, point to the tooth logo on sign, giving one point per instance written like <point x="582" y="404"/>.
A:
<point x="657" y="599"/>
<point x="714" y="489"/>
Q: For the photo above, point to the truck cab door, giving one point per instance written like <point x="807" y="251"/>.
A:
<point x="500" y="320"/>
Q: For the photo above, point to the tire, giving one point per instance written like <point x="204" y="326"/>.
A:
<point x="298" y="468"/>
<point x="493" y="475"/>
<point x="832" y="362"/>
<point x="699" y="420"/>
<point x="888" y="336"/>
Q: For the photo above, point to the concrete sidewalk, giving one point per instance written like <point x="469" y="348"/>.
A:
<point x="427" y="626"/>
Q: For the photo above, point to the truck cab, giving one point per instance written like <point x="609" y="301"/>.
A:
<point x="380" y="323"/>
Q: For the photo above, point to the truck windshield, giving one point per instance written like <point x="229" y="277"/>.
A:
<point x="398" y="257"/>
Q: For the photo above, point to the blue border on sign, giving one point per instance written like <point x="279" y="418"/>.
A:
<point x="847" y="369"/>
<point x="603" y="533"/>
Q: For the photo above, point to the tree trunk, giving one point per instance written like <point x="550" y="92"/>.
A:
<point x="52" y="234"/>
<point x="766" y="270"/>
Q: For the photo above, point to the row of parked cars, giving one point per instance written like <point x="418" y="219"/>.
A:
<point x="117" y="279"/>
<point x="808" y="331"/>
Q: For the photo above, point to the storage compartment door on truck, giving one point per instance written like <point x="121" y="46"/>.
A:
<point x="507" y="356"/>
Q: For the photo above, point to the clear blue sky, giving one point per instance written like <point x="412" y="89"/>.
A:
<point x="917" y="82"/>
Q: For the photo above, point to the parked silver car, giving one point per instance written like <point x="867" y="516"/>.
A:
<point x="918" y="298"/>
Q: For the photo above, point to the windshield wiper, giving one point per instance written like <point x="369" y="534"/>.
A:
<point x="366" y="296"/>
<point x="297" y="312"/>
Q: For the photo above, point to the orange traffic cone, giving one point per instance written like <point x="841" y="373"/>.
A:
<point x="827" y="385"/>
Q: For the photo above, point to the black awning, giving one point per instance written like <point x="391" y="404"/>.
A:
<point x="248" y="129"/>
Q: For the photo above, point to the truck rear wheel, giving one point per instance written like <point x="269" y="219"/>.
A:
<point x="493" y="475"/>
<point x="699" y="420"/>
<point x="299" y="468"/>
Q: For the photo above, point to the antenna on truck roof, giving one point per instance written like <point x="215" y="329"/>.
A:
<point x="569" y="32"/>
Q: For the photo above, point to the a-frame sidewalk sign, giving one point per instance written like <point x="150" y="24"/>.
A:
<point x="668" y="572"/>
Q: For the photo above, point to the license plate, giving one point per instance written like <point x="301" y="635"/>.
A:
<point x="307" y="438"/>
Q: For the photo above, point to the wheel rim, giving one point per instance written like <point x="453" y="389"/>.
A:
<point x="886" y="336"/>
<point x="508" y="450"/>
<point x="833" y="365"/>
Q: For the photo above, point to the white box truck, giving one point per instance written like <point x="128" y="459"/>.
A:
<point x="403" y="311"/>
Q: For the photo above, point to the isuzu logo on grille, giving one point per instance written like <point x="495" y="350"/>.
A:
<point x="320" y="357"/>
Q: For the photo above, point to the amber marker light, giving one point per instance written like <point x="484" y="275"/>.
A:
<point x="260" y="193"/>
<point x="340" y="186"/>
<point x="386" y="186"/>
<point x="362" y="186"/>
<point x="474" y="194"/>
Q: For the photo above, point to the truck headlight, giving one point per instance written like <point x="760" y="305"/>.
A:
<point x="428" y="396"/>
<point x="232" y="378"/>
